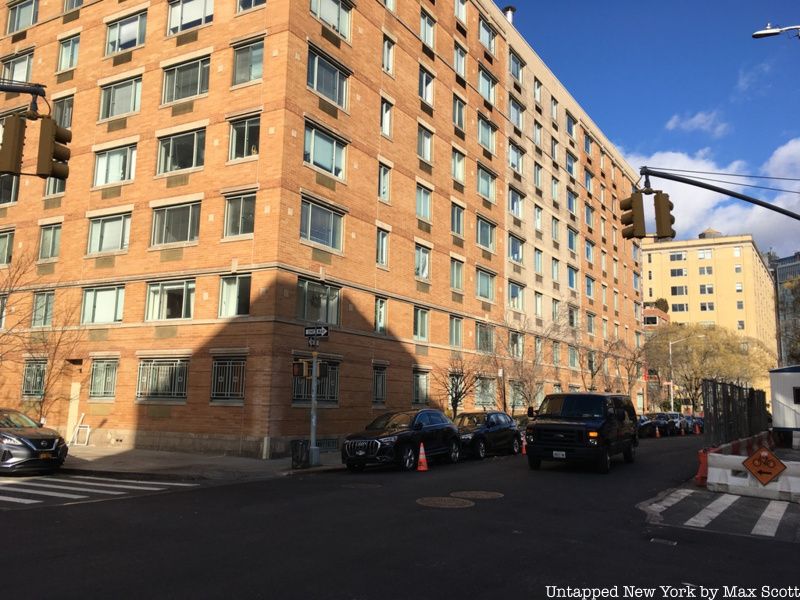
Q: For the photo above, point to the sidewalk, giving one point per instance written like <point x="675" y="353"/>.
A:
<point x="155" y="464"/>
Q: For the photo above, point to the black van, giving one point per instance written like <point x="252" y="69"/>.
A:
<point x="582" y="426"/>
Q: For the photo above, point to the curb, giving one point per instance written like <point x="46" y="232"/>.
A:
<point x="138" y="475"/>
<point x="313" y="470"/>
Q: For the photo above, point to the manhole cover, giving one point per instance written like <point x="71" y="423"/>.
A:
<point x="444" y="502"/>
<point x="477" y="495"/>
<point x="361" y="486"/>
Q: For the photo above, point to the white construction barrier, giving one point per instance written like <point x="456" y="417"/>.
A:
<point x="726" y="473"/>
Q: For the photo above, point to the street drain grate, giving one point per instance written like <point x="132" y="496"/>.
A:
<point x="361" y="486"/>
<point x="444" y="502"/>
<point x="477" y="495"/>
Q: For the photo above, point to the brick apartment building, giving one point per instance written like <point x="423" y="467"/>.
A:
<point x="410" y="173"/>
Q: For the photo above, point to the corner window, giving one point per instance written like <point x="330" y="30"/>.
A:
<point x="115" y="165"/>
<point x="126" y="33"/>
<point x="186" y="80"/>
<point x="324" y="151"/>
<point x="49" y="241"/>
<point x="320" y="225"/>
<point x="170" y="300"/>
<point x="173" y="224"/>
<point x="234" y="295"/>
<point x="240" y="215"/>
<point x="110" y="233"/>
<point x="317" y="302"/>
<point x="181" y="151"/>
<point x="327" y="79"/>
<point x="248" y="62"/>
<point x="103" y="305"/>
<point x="334" y="13"/>
<point x="244" y="138"/>
<point x="120" y="98"/>
<point x="188" y="14"/>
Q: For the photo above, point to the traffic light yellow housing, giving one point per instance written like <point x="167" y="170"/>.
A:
<point x="664" y="218"/>
<point x="53" y="151"/>
<point x="13" y="143"/>
<point x="633" y="216"/>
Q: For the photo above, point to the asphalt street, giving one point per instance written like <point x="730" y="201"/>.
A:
<point x="375" y="535"/>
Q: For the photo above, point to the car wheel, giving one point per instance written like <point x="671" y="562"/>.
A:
<point x="534" y="463"/>
<point x="455" y="452"/>
<point x="515" y="445"/>
<point x="355" y="467"/>
<point x="604" y="462"/>
<point x="629" y="454"/>
<point x="480" y="449"/>
<point x="408" y="459"/>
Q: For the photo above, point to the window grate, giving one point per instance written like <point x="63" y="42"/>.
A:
<point x="227" y="379"/>
<point x="162" y="378"/>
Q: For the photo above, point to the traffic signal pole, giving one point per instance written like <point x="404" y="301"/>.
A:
<point x="313" y="451"/>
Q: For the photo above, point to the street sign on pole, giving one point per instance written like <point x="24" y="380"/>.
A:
<point x="316" y="331"/>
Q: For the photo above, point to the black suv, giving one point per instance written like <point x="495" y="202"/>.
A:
<point x="394" y="438"/>
<point x="582" y="426"/>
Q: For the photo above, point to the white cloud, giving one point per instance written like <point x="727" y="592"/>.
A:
<point x="697" y="209"/>
<point x="708" y="121"/>
<point x="749" y="77"/>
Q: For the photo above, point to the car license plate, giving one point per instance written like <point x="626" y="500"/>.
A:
<point x="559" y="454"/>
<point x="45" y="455"/>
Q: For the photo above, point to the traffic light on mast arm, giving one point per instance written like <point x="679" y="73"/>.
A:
<point x="664" y="218"/>
<point x="13" y="142"/>
<point x="633" y="216"/>
<point x="53" y="151"/>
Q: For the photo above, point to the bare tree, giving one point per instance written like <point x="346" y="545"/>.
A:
<point x="16" y="279"/>
<point x="458" y="378"/>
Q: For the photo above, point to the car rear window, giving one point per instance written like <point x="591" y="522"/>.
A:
<point x="576" y="405"/>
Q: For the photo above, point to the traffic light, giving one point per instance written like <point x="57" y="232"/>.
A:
<point x="633" y="216"/>
<point x="664" y="218"/>
<point x="53" y="151"/>
<point x="301" y="368"/>
<point x="13" y="142"/>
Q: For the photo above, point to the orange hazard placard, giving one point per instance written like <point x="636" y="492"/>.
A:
<point x="764" y="465"/>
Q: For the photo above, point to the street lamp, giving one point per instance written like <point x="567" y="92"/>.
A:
<point x="671" y="385"/>
<point x="770" y="31"/>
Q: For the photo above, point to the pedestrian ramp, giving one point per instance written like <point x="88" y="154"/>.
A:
<point x="19" y="492"/>
<point x="702" y="510"/>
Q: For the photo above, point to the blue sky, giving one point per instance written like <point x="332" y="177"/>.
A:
<point x="683" y="84"/>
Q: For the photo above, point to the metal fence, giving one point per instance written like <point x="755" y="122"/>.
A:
<point x="732" y="412"/>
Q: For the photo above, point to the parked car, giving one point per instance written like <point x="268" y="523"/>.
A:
<point x="27" y="446"/>
<point x="583" y="426"/>
<point x="680" y="422"/>
<point x="488" y="432"/>
<point x="663" y="423"/>
<point x="395" y="437"/>
<point x="699" y="422"/>
<point x="647" y="427"/>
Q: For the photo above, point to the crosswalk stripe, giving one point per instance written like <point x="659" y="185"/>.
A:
<point x="65" y="487"/>
<point x="135" y="481"/>
<point x="770" y="519"/>
<point x="19" y="500"/>
<point x="111" y="485"/>
<point x="19" y="488"/>
<point x="712" y="511"/>
<point x="673" y="498"/>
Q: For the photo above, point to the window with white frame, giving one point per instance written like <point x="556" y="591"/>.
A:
<point x="516" y="297"/>
<point x="120" y="98"/>
<point x="327" y="78"/>
<point x="572" y="126"/>
<point x="587" y="147"/>
<point x="181" y="151"/>
<point x="458" y="166"/>
<point x="515" y="202"/>
<point x="173" y="224"/>
<point x="537" y="175"/>
<point x="460" y="9"/>
<point x="572" y="202"/>
<point x="456" y="219"/>
<point x="704" y="254"/>
<point x="427" y="29"/>
<point x="186" y="80"/>
<point x="334" y="13"/>
<point x="68" y="53"/>
<point x="486" y="183"/>
<point x="426" y="86"/>
<point x="22" y="15"/>
<point x="572" y="239"/>
<point x="537" y="134"/>
<point x="739" y="287"/>
<point x="381" y="307"/>
<point x="589" y="287"/>
<point x="516" y="344"/>
<point x="244" y="5"/>
<point x="387" y="56"/>
<point x="49" y="241"/>
<point x="379" y="385"/>
<point x="386" y="118"/>
<point x="103" y="379"/>
<point x="248" y="62"/>
<point x="421" y="379"/>
<point x="556" y="354"/>
<point x="425" y="143"/>
<point x="554" y="189"/>
<point x="423" y="203"/>
<point x="126" y="33"/>
<point x="240" y="215"/>
<point x="515" y="112"/>
<point x="486" y="85"/>
<point x="162" y="379"/>
<point x="588" y="215"/>
<point x="572" y="278"/>
<point x="706" y="306"/>
<point x="485" y="392"/>
<point x="188" y="14"/>
<point x="554" y="109"/>
<point x="244" y="137"/>
<point x="420" y="324"/>
<point x="456" y="275"/>
<point x="589" y="251"/>
<point x="43" y="308"/>
<point x="317" y="302"/>
<point x="110" y="233"/>
<point x="538" y="305"/>
<point x="390" y="5"/>
<point x="384" y="182"/>
<point x="458" y="112"/>
<point x="515" y="66"/>
<point x="588" y="180"/>
<point x="555" y="268"/>
<point x="555" y="313"/>
<point x="537" y="217"/>
<point x="170" y="300"/>
<point x="484" y="285"/>
<point x="515" y="158"/>
<point x="486" y="134"/>
<point x="382" y="247"/>
<point x="18" y="68"/>
<point x="115" y="165"/>
<point x="228" y="379"/>
<point x="484" y="337"/>
<point x="459" y="60"/>
<point x="327" y="387"/>
<point x="573" y="357"/>
<point x="456" y="331"/>
<point x="103" y="304"/>
<point x="538" y="261"/>
<point x="515" y="249"/>
<point x="485" y="233"/>
<point x="554" y="149"/>
<point x="571" y="162"/>
<point x="422" y="262"/>
<point x="324" y="151"/>
<point x="320" y="224"/>
<point x="486" y="34"/>
<point x="234" y="295"/>
<point x="33" y="377"/>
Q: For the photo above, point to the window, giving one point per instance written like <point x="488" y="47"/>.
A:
<point x="456" y="274"/>
<point x="379" y="385"/>
<point x="538" y="305"/>
<point x="555" y="267"/>
<point x="115" y="165"/>
<point x="381" y="305"/>
<point x="515" y="249"/>
<point x="516" y="298"/>
<point x="239" y="215"/>
<point x="103" y="305"/>
<point x="107" y="234"/>
<point x="705" y="254"/>
<point x="459" y="60"/>
<point x="572" y="278"/>
<point x="679" y="272"/>
<point x="677" y="256"/>
<point x="384" y="182"/>
<point x="186" y="80"/>
<point x="327" y="79"/>
<point x="33" y="377"/>
<point x="515" y="66"/>
<point x="590" y="319"/>
<point x="420" y="324"/>
<point x="187" y="14"/>
<point x="680" y="307"/>
<point x="515" y="202"/>
<point x="572" y="126"/>
<point x="571" y="162"/>
<point x="515" y="113"/>
<point x="556" y="353"/>
<point x="706" y="306"/>
<point x="740" y="305"/>
<point x="320" y="225"/>
<point x="126" y="33"/>
<point x="486" y="184"/>
<point x="244" y="138"/>
<point x="706" y="288"/>
<point x="458" y="112"/>
<point x="172" y="224"/>
<point x="740" y="325"/>
<point x="737" y="268"/>
<point x="572" y="317"/>
<point x="537" y="175"/>
<point x="572" y="239"/>
<point x="460" y="8"/>
<point x="588" y="179"/>
<point x="427" y="29"/>
<point x="181" y="151"/>
<point x="554" y="149"/>
<point x="43" y="309"/>
<point x="386" y="118"/>
<point x="737" y="251"/>
<point x="589" y="287"/>
<point x="68" y="53"/>
<point x="458" y="166"/>
<point x="103" y="380"/>
<point x="588" y="214"/>
<point x="537" y="134"/>
<point x="422" y="262"/>
<point x="387" y="56"/>
<point x="556" y="310"/>
<point x="324" y="151"/>
<point x="515" y="158"/>
<point x="484" y="285"/>
<point x="456" y="331"/>
<point x="572" y="202"/>
<point x="49" y="241"/>
<point x="484" y="337"/>
<point x="554" y="109"/>
<point x="420" y="387"/>
<point x="390" y="4"/>
<point x="486" y="134"/>
<point x="555" y="226"/>
<point x="679" y="290"/>
<point x="425" y="144"/>
<point x="587" y="147"/>
<point x="234" y="295"/>
<point x="537" y="261"/>
<point x="426" y="86"/>
<point x="486" y="85"/>
<point x="485" y="233"/>
<point x="18" y="68"/>
<point x="317" y="302"/>
<point x="170" y="300"/>
<point x="485" y="392"/>
<point x="456" y="219"/>
<point x="120" y="98"/>
<point x="382" y="248"/>
<point x="227" y="379"/>
<point x="573" y="357"/>
<point x="423" y="203"/>
<point x="21" y="15"/>
<point x="739" y="287"/>
<point x="162" y="379"/>
<point x="248" y="62"/>
<point x="243" y="5"/>
<point x="54" y="186"/>
<point x="327" y="387"/>
<point x="62" y="111"/>
<point x="589" y="251"/>
<point x="537" y="91"/>
<point x="486" y="35"/>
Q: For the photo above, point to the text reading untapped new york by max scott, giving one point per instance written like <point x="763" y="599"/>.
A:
<point x="672" y="591"/>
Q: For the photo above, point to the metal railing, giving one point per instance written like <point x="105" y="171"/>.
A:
<point x="731" y="412"/>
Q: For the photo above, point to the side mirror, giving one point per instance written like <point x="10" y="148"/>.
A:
<point x="530" y="412"/>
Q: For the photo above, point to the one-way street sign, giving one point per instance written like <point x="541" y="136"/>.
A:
<point x="316" y="332"/>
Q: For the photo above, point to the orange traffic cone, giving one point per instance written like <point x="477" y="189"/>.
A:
<point x="658" y="432"/>
<point x="422" y="462"/>
<point x="696" y="429"/>
<point x="524" y="446"/>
